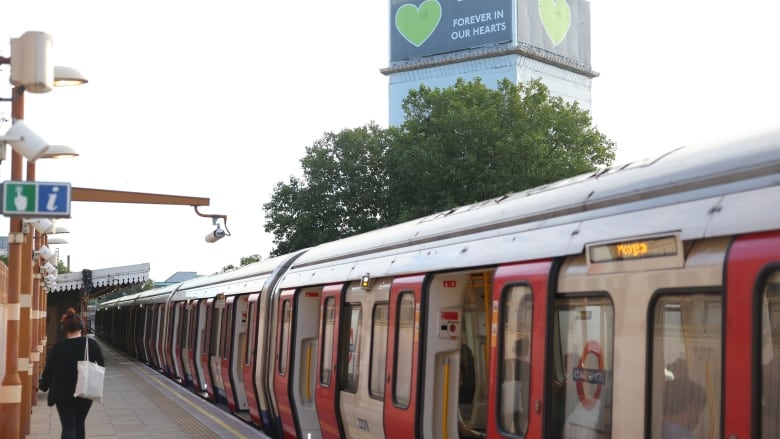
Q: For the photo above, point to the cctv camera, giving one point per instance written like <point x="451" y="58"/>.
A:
<point x="216" y="235"/>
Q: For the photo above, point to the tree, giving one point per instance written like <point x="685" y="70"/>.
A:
<point x="468" y="143"/>
<point x="343" y="191"/>
<point x="457" y="145"/>
<point x="246" y="260"/>
<point x="61" y="267"/>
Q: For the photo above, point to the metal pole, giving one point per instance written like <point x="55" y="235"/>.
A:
<point x="11" y="390"/>
<point x="35" y="346"/>
<point x="25" y="322"/>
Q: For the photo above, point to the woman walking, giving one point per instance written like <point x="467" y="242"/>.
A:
<point x="60" y="374"/>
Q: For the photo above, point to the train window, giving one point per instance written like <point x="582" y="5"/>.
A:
<point x="686" y="357"/>
<point x="250" y="349"/>
<point x="215" y="323"/>
<point x="193" y="328"/>
<point x="404" y="336"/>
<point x="770" y="358"/>
<point x="517" y="308"/>
<point x="329" y="325"/>
<point x="285" y="344"/>
<point x="350" y="367"/>
<point x="376" y="372"/>
<point x="581" y="390"/>
<point x="227" y="331"/>
<point x="184" y="319"/>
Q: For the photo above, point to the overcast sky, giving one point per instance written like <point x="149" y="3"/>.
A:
<point x="220" y="99"/>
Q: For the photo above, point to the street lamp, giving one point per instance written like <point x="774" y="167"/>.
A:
<point x="32" y="71"/>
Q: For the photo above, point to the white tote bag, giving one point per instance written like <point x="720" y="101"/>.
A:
<point x="89" y="383"/>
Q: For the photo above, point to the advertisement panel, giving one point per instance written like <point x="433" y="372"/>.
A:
<point x="427" y="27"/>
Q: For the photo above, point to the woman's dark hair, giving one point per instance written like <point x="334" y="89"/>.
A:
<point x="70" y="321"/>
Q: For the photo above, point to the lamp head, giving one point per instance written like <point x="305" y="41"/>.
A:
<point x="65" y="76"/>
<point x="24" y="141"/>
<point x="49" y="268"/>
<point x="42" y="225"/>
<point x="45" y="252"/>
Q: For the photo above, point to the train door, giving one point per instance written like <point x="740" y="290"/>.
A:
<point x="327" y="380"/>
<point x="172" y="348"/>
<point x="519" y="326"/>
<point x="268" y="359"/>
<point x="195" y="337"/>
<point x="362" y="358"/>
<point x="249" y="362"/>
<point x="238" y="352"/>
<point x="207" y="344"/>
<point x="752" y="349"/>
<point x="163" y="340"/>
<point x="158" y="338"/>
<point x="139" y="326"/>
<point x="180" y="344"/>
<point x="149" y="322"/>
<point x="295" y="379"/>
<point x="456" y="355"/>
<point x="400" y="401"/>
<point x="232" y="362"/>
<point x="153" y="337"/>
<point x="225" y="348"/>
<point x="217" y="346"/>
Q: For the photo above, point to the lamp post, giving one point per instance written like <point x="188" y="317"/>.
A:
<point x="11" y="394"/>
<point x="30" y="69"/>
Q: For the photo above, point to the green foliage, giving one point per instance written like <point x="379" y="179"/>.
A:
<point x="343" y="191"/>
<point x="468" y="143"/>
<point x="246" y="260"/>
<point x="458" y="145"/>
<point x="61" y="267"/>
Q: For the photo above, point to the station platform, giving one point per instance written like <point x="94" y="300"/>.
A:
<point x="139" y="402"/>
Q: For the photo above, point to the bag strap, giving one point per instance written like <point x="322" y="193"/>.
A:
<point x="86" y="349"/>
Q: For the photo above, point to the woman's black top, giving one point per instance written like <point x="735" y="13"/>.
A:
<point x="59" y="375"/>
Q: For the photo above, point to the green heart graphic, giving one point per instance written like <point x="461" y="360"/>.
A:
<point x="556" y="18"/>
<point x="416" y="24"/>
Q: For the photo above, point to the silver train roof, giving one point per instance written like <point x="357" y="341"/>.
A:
<point x="704" y="191"/>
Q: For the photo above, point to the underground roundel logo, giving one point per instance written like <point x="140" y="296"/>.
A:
<point x="417" y="23"/>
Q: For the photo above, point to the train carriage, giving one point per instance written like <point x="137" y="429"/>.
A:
<point x="638" y="301"/>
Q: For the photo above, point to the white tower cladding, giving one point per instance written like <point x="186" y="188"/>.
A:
<point x="434" y="42"/>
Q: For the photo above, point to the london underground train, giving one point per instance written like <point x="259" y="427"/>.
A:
<point x="641" y="301"/>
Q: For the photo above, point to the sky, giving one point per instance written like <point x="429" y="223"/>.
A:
<point x="220" y="100"/>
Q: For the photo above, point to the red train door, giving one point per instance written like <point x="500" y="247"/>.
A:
<point x="194" y="376"/>
<point x="752" y="306"/>
<point x="327" y="377"/>
<point x="209" y="345"/>
<point x="249" y="360"/>
<point x="400" y="407"/>
<point x="283" y="364"/>
<point x="173" y="351"/>
<point x="225" y="349"/>
<point x="520" y="304"/>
